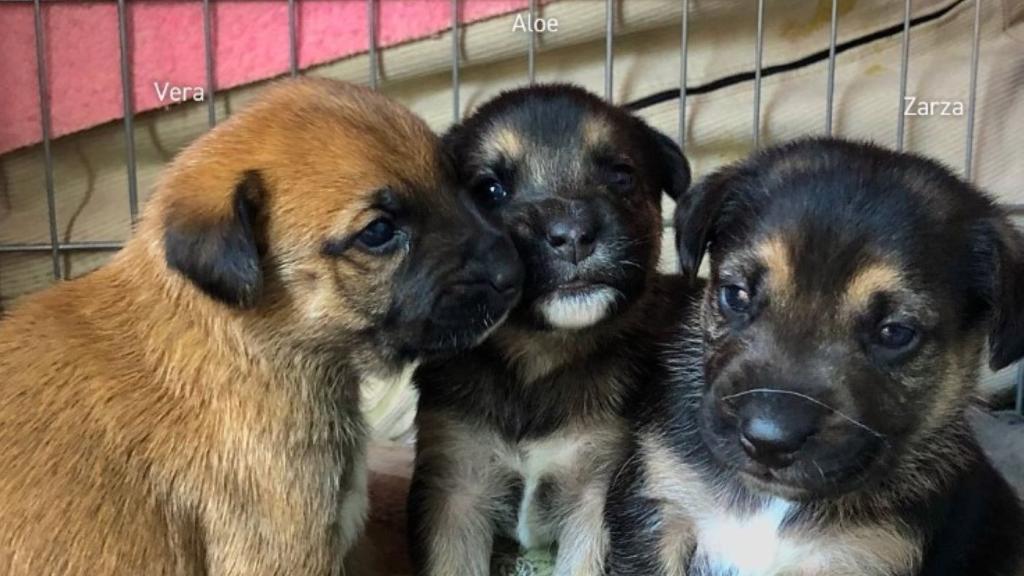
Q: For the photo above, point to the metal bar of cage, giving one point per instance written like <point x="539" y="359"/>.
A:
<point x="831" y="83"/>
<point x="86" y="246"/>
<point x="44" y="113"/>
<point x="609" y="49"/>
<point x="904" y="67"/>
<point x="531" y="46"/>
<point x="758" y="55"/>
<point x="371" y="20"/>
<point x="456" y="58"/>
<point x="972" y="92"/>
<point x="293" y="43"/>
<point x="684" y="49"/>
<point x="211" y="105"/>
<point x="129" y="113"/>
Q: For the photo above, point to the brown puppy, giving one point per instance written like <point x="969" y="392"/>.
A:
<point x="192" y="407"/>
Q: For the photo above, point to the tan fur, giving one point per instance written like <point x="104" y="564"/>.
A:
<point x="774" y="253"/>
<point x="877" y="550"/>
<point x="577" y="462"/>
<point x="583" y="539"/>
<point x="146" y="428"/>
<point x="503" y="141"/>
<point x="680" y="491"/>
<point x="675" y="543"/>
<point x="534" y="355"/>
<point x="461" y="534"/>
<point x="595" y="132"/>
<point x="869" y="280"/>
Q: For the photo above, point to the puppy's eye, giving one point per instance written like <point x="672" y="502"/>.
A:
<point x="622" y="177"/>
<point x="492" y="192"/>
<point x="896" y="336"/>
<point x="378" y="235"/>
<point x="733" y="298"/>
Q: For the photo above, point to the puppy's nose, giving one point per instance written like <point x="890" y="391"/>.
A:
<point x="572" y="239"/>
<point x="504" y="271"/>
<point x="772" y="432"/>
<point x="506" y="276"/>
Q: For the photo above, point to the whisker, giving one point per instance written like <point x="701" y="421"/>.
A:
<point x="853" y="421"/>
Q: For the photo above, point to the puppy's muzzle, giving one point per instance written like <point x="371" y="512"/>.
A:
<point x="481" y="294"/>
<point x="774" y="425"/>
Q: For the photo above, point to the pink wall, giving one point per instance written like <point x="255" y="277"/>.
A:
<point x="166" y="39"/>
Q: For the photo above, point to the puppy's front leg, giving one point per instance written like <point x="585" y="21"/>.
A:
<point x="450" y="532"/>
<point x="298" y="514"/>
<point x="238" y="546"/>
<point x="645" y="538"/>
<point x="583" y="541"/>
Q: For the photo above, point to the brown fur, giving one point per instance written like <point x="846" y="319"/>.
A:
<point x="148" y="429"/>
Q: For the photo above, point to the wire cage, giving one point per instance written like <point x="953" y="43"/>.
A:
<point x="57" y="249"/>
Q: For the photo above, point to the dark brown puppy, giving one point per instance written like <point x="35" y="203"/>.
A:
<point x="811" y="417"/>
<point x="192" y="407"/>
<point x="517" y="437"/>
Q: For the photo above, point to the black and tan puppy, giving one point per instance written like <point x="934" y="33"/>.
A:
<point x="517" y="437"/>
<point x="192" y="407"/>
<point x="811" y="420"/>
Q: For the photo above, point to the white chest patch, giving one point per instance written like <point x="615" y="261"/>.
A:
<point x="744" y="545"/>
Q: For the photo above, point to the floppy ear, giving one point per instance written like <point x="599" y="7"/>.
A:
<point x="220" y="253"/>
<point x="1001" y="251"/>
<point x="673" y="168"/>
<point x="453" y="146"/>
<point x="697" y="217"/>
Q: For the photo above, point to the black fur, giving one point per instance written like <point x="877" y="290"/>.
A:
<point x="975" y="526"/>
<point x="480" y="387"/>
<point x="570" y="160"/>
<point x="222" y="257"/>
<point x="902" y="455"/>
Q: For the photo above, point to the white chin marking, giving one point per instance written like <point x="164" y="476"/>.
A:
<point x="576" y="311"/>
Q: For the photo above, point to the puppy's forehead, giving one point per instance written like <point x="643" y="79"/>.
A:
<point x="545" y="130"/>
<point x="797" y="268"/>
<point x="340" y="144"/>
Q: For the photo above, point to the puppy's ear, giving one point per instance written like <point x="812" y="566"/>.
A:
<point x="673" y="168"/>
<point x="453" y="146"/>
<point x="999" y="253"/>
<point x="697" y="217"/>
<point x="220" y="252"/>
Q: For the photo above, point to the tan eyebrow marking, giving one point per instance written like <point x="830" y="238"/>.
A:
<point x="774" y="253"/>
<point x="873" y="278"/>
<point x="503" y="141"/>
<point x="594" y="131"/>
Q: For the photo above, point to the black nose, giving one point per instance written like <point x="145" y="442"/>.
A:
<point x="572" y="237"/>
<point x="772" y="430"/>
<point x="506" y="275"/>
<point x="503" y="269"/>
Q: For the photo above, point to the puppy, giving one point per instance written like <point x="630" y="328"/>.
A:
<point x="517" y="437"/>
<point x="192" y="407"/>
<point x="811" y="416"/>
